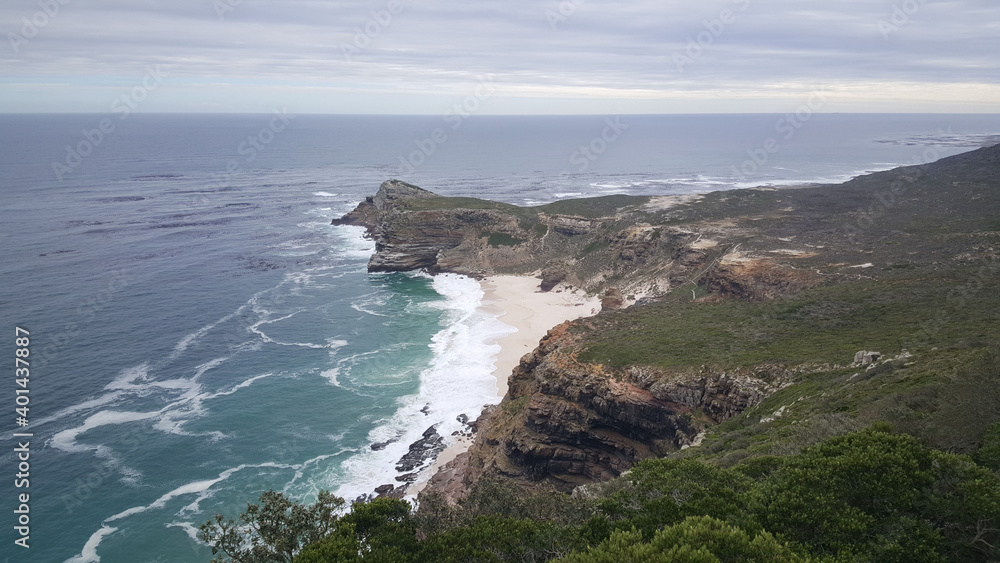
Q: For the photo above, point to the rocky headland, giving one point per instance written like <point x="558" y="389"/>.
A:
<point x="730" y="320"/>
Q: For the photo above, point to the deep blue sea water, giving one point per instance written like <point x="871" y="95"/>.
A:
<point x="200" y="333"/>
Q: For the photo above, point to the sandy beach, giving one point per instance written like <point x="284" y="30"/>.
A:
<point x="518" y="302"/>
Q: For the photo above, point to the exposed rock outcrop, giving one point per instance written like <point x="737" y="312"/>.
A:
<point x="612" y="299"/>
<point x="415" y="229"/>
<point x="567" y="423"/>
<point x="757" y="279"/>
<point x="420" y="452"/>
<point x="553" y="275"/>
<point x="864" y="358"/>
<point x="571" y="225"/>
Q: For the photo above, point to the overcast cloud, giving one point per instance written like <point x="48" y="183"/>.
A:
<point x="574" y="56"/>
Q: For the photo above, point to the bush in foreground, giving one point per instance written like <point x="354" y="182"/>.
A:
<point x="866" y="496"/>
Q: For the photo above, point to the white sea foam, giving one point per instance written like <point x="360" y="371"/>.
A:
<point x="309" y="487"/>
<point x="127" y="377"/>
<point x="66" y="439"/>
<point x="331" y="343"/>
<point x="366" y="303"/>
<point x="458" y="381"/>
<point x="324" y="194"/>
<point x="200" y="488"/>
<point x="352" y="242"/>
<point x="181" y="346"/>
<point x="237" y="387"/>
<point x="188" y="529"/>
<point x="86" y="405"/>
<point x="331" y="376"/>
<point x="130" y="476"/>
<point x="89" y="552"/>
<point x="174" y="416"/>
<point x="170" y="419"/>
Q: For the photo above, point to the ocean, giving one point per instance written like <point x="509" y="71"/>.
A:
<point x="199" y="333"/>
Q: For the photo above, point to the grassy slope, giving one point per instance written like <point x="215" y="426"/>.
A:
<point x="934" y="290"/>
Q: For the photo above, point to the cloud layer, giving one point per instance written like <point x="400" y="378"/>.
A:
<point x="573" y="56"/>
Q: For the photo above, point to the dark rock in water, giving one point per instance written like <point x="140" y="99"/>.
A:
<point x="422" y="450"/>
<point x="379" y="446"/>
<point x="407" y="477"/>
<point x="463" y="418"/>
<point x="390" y="491"/>
<point x="426" y="410"/>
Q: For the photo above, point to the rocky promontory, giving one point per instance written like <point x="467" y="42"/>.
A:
<point x="730" y="317"/>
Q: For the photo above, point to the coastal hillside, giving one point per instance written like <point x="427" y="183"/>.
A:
<point x="793" y="375"/>
<point x="752" y="322"/>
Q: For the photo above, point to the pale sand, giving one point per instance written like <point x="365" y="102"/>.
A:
<point x="523" y="306"/>
<point x="518" y="302"/>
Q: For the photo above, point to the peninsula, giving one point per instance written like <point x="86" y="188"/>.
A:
<point x="747" y="322"/>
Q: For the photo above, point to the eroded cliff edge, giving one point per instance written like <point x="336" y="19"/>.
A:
<point x="731" y="302"/>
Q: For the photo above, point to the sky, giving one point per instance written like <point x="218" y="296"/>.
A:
<point x="500" y="56"/>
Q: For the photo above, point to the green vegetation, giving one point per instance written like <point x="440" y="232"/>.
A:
<point x="698" y="539"/>
<point x="871" y="495"/>
<point x="897" y="461"/>
<point x="274" y="530"/>
<point x="447" y="203"/>
<point x="592" y="206"/>
<point x="826" y="324"/>
<point x="948" y="399"/>
<point x="500" y="239"/>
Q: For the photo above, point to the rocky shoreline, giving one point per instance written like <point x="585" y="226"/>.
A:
<point x="580" y="410"/>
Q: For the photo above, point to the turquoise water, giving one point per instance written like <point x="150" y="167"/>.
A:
<point x="200" y="335"/>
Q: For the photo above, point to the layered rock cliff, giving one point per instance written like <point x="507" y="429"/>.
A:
<point x="822" y="272"/>
<point x="565" y="422"/>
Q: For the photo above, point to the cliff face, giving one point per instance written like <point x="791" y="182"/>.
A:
<point x="582" y="245"/>
<point x="409" y="238"/>
<point x="566" y="422"/>
<point x="728" y="298"/>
